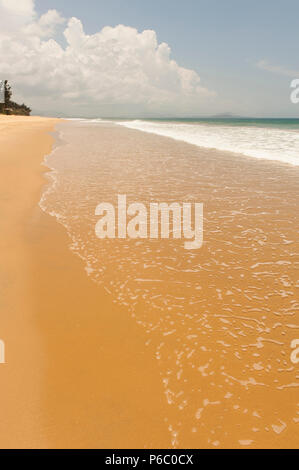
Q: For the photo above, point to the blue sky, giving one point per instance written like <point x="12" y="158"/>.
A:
<point x="245" y="52"/>
<point x="221" y="40"/>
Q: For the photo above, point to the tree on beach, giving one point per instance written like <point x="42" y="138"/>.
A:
<point x="7" y="96"/>
<point x="8" y="92"/>
<point x="11" y="107"/>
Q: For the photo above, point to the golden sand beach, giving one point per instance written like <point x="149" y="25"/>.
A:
<point x="77" y="372"/>
<point x="157" y="347"/>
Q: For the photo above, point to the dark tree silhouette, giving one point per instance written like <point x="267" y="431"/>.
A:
<point x="10" y="107"/>
<point x="8" y="92"/>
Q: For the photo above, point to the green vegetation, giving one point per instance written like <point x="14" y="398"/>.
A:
<point x="10" y="107"/>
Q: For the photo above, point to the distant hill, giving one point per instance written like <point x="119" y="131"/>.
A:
<point x="227" y="116"/>
<point x="11" y="107"/>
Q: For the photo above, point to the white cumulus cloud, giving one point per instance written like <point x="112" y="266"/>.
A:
<point x="115" y="71"/>
<point x="15" y="13"/>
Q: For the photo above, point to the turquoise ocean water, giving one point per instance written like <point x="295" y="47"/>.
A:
<point x="271" y="139"/>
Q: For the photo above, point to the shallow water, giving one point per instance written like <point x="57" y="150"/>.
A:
<point x="221" y="318"/>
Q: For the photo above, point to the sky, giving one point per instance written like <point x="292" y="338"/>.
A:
<point x="141" y="58"/>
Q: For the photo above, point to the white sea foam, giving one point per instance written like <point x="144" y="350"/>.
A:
<point x="259" y="142"/>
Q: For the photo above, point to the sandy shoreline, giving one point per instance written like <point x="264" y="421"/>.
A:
<point x="220" y="320"/>
<point x="77" y="373"/>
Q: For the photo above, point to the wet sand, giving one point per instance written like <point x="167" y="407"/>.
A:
<point x="200" y="359"/>
<point x="77" y="372"/>
<point x="220" y="320"/>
